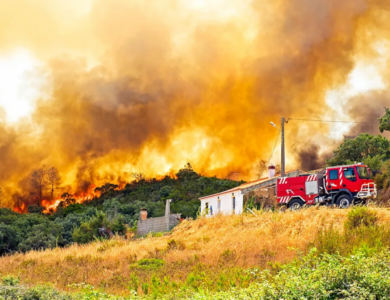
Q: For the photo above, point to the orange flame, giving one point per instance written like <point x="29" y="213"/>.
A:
<point x="51" y="205"/>
<point x="20" y="209"/>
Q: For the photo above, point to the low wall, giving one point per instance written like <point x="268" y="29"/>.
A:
<point x="159" y="224"/>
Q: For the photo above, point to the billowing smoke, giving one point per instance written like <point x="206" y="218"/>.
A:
<point x="367" y="108"/>
<point x="147" y="86"/>
<point x="310" y="157"/>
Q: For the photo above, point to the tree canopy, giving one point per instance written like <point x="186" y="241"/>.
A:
<point x="362" y="147"/>
<point x="384" y="122"/>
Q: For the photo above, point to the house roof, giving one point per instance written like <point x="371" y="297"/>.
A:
<point x="220" y="193"/>
<point x="246" y="185"/>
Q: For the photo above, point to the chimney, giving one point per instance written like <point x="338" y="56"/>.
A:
<point x="271" y="171"/>
<point x="168" y="208"/>
<point x="144" y="214"/>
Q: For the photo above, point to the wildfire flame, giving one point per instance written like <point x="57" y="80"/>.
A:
<point x="20" y="209"/>
<point x="81" y="197"/>
<point x="136" y="91"/>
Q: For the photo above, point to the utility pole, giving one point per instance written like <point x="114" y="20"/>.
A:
<point x="283" y="160"/>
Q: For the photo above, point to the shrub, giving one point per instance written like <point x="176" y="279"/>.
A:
<point x="228" y="256"/>
<point x="323" y="277"/>
<point x="150" y="263"/>
<point x="173" y="245"/>
<point x="360" y="216"/>
<point x="361" y="231"/>
<point x="10" y="280"/>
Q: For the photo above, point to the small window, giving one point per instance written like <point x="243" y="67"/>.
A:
<point x="350" y="174"/>
<point x="333" y="175"/>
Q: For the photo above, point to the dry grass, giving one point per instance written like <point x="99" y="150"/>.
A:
<point x="219" y="242"/>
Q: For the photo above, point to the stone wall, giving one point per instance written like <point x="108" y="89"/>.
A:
<point x="160" y="224"/>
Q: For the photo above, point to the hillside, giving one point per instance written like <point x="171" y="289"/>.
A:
<point x="116" y="208"/>
<point x="206" y="252"/>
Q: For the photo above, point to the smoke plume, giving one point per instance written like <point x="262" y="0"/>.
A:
<point x="146" y="86"/>
<point x="367" y="108"/>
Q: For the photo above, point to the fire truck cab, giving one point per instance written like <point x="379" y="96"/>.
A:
<point x="340" y="185"/>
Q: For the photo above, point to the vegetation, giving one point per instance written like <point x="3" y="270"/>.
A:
<point x="316" y="253"/>
<point x="384" y="122"/>
<point x="114" y="212"/>
<point x="365" y="147"/>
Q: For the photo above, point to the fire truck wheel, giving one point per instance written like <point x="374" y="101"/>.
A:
<point x="344" y="201"/>
<point x="295" y="204"/>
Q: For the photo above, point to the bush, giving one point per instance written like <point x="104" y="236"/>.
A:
<point x="361" y="230"/>
<point x="360" y="216"/>
<point x="150" y="263"/>
<point x="318" y="277"/>
<point x="10" y="280"/>
<point x="175" y="245"/>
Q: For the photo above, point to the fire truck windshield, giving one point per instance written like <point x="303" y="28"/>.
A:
<point x="363" y="173"/>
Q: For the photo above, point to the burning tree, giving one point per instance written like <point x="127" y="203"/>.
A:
<point x="138" y="176"/>
<point x="53" y="179"/>
<point x="44" y="178"/>
<point x="67" y="199"/>
<point x="38" y="181"/>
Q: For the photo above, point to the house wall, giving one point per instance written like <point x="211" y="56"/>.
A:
<point x="226" y="200"/>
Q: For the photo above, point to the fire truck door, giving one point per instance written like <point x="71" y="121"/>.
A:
<point x="334" y="177"/>
<point x="350" y="180"/>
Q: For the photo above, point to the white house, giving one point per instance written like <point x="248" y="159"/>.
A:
<point x="232" y="201"/>
<point x="226" y="202"/>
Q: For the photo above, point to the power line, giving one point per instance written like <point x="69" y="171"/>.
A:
<point x="332" y="121"/>
<point x="272" y="153"/>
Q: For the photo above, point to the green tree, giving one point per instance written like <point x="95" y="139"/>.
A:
<point x="42" y="236"/>
<point x="375" y="162"/>
<point x="358" y="149"/>
<point x="165" y="191"/>
<point x="9" y="238"/>
<point x="35" y="209"/>
<point x="89" y="230"/>
<point x="384" y="122"/>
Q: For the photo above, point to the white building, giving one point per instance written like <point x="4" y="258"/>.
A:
<point x="232" y="201"/>
<point x="226" y="202"/>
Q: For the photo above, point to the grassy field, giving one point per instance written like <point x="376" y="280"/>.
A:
<point x="212" y="255"/>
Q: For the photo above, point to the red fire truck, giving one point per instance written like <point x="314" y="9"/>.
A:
<point x="340" y="185"/>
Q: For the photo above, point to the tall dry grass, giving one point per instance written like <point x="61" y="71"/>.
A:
<point x="219" y="242"/>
